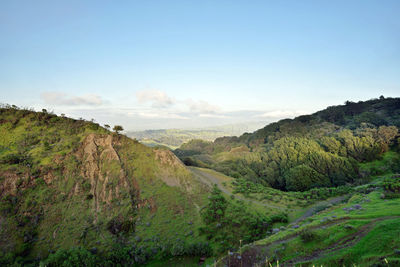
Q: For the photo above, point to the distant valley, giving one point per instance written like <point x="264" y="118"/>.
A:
<point x="173" y="138"/>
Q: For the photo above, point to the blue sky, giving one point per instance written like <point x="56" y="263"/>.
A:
<point x="185" y="64"/>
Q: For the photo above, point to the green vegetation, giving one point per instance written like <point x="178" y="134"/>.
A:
<point x="307" y="152"/>
<point x="227" y="222"/>
<point x="321" y="189"/>
<point x="118" y="128"/>
<point x="364" y="231"/>
<point x="73" y="192"/>
<point x="391" y="187"/>
<point x="68" y="183"/>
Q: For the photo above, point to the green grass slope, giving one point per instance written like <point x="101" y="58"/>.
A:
<point x="71" y="192"/>
<point x="361" y="231"/>
<point x="67" y="183"/>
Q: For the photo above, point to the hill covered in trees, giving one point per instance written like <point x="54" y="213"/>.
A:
<point x="323" y="149"/>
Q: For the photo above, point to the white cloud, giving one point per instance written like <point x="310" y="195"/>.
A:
<point x="219" y="116"/>
<point x="153" y="115"/>
<point x="282" y="113"/>
<point x="60" y="98"/>
<point x="157" y="98"/>
<point x="202" y="107"/>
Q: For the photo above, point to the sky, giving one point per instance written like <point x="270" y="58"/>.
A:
<point x="190" y="64"/>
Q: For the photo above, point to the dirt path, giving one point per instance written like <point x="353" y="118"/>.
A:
<point x="314" y="208"/>
<point x="342" y="243"/>
<point x="210" y="180"/>
<point x="249" y="257"/>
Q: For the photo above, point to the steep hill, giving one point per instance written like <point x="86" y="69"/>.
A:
<point x="66" y="183"/>
<point x="72" y="192"/>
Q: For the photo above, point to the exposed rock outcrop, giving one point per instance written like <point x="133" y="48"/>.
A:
<point x="102" y="166"/>
<point x="170" y="162"/>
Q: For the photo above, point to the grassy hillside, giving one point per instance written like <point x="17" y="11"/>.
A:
<point x="361" y="231"/>
<point x="66" y="183"/>
<point x="71" y="191"/>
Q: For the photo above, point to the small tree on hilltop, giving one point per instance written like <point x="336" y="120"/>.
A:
<point x="107" y="126"/>
<point x="118" y="128"/>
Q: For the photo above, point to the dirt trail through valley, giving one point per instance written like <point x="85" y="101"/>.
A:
<point x="210" y="180"/>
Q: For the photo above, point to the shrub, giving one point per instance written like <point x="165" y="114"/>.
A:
<point x="118" y="224"/>
<point x="121" y="255"/>
<point x="281" y="217"/>
<point x="72" y="257"/>
<point x="199" y="249"/>
<point x="307" y="235"/>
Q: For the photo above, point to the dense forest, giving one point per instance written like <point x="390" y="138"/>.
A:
<point x="324" y="149"/>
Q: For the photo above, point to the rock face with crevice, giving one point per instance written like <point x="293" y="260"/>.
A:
<point x="170" y="164"/>
<point x="101" y="165"/>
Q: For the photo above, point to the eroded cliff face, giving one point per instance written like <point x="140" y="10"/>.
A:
<point x="103" y="174"/>
<point x="66" y="183"/>
<point x="106" y="186"/>
<point x="9" y="183"/>
<point x="170" y="165"/>
<point x="96" y="181"/>
<point x="101" y="165"/>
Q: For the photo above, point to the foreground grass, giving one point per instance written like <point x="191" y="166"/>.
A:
<point x="363" y="231"/>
